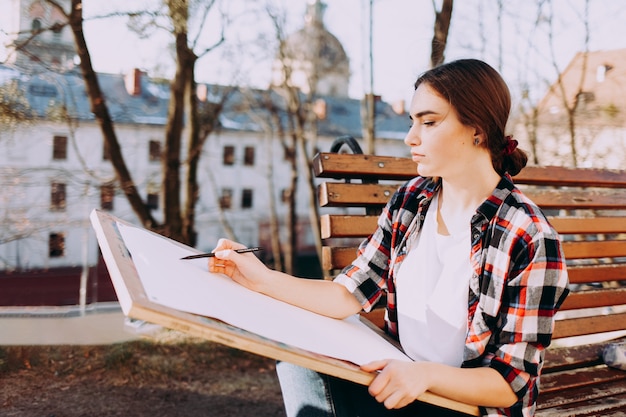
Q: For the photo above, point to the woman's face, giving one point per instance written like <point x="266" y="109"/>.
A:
<point x="440" y="144"/>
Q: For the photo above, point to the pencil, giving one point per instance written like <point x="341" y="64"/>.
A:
<point x="212" y="254"/>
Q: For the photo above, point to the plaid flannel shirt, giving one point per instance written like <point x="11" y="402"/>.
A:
<point x="518" y="283"/>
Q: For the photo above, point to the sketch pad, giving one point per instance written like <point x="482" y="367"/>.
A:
<point x="153" y="284"/>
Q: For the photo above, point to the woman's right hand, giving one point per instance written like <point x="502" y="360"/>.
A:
<point x="244" y="268"/>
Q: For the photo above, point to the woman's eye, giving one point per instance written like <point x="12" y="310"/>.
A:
<point x="428" y="123"/>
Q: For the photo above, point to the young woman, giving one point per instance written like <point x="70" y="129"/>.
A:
<point x="472" y="270"/>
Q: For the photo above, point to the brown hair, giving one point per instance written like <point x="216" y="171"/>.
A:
<point x="481" y="100"/>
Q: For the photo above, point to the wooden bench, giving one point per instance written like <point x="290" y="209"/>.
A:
<point x="586" y="206"/>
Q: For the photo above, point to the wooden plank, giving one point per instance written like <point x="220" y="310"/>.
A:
<point x="337" y="194"/>
<point x="596" y="273"/>
<point x="577" y="199"/>
<point x="589" y="325"/>
<point x="582" y="377"/>
<point x="602" y="399"/>
<point x="595" y="298"/>
<point x="337" y="257"/>
<point x="572" y="357"/>
<point x="595" y="249"/>
<point x="333" y="165"/>
<point x="333" y="225"/>
<point x="581" y="177"/>
<point x="584" y="225"/>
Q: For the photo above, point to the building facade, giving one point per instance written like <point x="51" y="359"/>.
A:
<point x="54" y="168"/>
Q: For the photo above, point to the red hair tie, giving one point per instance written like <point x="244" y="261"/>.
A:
<point x="510" y="146"/>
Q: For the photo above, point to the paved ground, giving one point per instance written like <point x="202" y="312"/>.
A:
<point x="97" y="325"/>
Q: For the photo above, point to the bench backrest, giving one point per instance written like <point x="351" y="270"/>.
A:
<point x="586" y="206"/>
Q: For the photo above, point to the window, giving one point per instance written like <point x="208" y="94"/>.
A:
<point x="154" y="151"/>
<point x="246" y="198"/>
<point x="35" y="25"/>
<point x="106" y="154"/>
<point x="107" y="194"/>
<point x="59" y="148"/>
<point x="56" y="245"/>
<point x="153" y="201"/>
<point x="57" y="30"/>
<point x="57" y="196"/>
<point x="585" y="98"/>
<point x="284" y="195"/>
<point x="228" y="158"/>
<point x="226" y="199"/>
<point x="248" y="156"/>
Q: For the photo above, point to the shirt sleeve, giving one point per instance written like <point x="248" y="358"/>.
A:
<point x="535" y="289"/>
<point x="366" y="277"/>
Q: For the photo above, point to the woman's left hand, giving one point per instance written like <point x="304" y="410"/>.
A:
<point x="398" y="383"/>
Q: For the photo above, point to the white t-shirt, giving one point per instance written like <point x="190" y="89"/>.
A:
<point x="432" y="293"/>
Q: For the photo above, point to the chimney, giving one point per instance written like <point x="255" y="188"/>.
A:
<point x="133" y="82"/>
<point x="202" y="92"/>
<point x="398" y="107"/>
<point x="320" y="108"/>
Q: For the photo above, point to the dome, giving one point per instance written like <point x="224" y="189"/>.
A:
<point x="313" y="53"/>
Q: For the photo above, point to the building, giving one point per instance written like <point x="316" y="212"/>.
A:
<point x="588" y="99"/>
<point x="37" y="36"/>
<point x="54" y="169"/>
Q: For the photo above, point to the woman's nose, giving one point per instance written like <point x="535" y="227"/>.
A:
<point x="412" y="138"/>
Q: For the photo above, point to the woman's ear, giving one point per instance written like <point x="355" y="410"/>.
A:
<point x="479" y="137"/>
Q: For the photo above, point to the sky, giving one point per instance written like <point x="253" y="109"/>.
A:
<point x="402" y="33"/>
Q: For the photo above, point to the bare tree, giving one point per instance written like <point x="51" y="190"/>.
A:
<point x="179" y="216"/>
<point x="300" y="132"/>
<point x="570" y="100"/>
<point x="101" y="112"/>
<point x="441" y="29"/>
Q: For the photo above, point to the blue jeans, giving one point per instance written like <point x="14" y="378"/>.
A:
<point x="307" y="393"/>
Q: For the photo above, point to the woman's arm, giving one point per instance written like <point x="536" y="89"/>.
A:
<point x="320" y="296"/>
<point x="399" y="383"/>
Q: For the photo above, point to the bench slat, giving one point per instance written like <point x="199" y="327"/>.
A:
<point x="577" y="199"/>
<point x="582" y="377"/>
<point x="601" y="399"/>
<point x="572" y="357"/>
<point x="339" y="257"/>
<point x="340" y="194"/>
<point x="595" y="298"/>
<point x="596" y="273"/>
<point x="578" y="177"/>
<point x="589" y="325"/>
<point x="359" y="225"/>
<point x="594" y="249"/>
<point x="332" y="165"/>
<point x="347" y="225"/>
<point x="585" y="225"/>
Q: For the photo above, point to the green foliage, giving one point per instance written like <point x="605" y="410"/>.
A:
<point x="611" y="110"/>
<point x="14" y="107"/>
<point x="118" y="356"/>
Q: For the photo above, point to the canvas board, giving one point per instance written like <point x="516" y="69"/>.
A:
<point x="153" y="284"/>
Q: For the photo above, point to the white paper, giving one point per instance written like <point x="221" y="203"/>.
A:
<point x="186" y="285"/>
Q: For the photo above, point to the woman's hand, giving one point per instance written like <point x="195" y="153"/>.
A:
<point x="245" y="269"/>
<point x="398" y="383"/>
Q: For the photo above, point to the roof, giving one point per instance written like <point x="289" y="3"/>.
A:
<point x="597" y="78"/>
<point x="149" y="106"/>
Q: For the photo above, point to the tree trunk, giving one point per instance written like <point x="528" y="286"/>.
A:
<point x="103" y="118"/>
<point x="440" y="36"/>
<point x="194" y="146"/>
